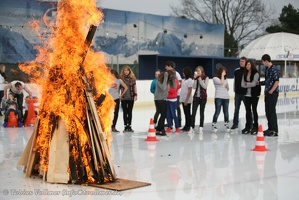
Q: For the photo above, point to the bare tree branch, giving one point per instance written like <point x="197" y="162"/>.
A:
<point x="243" y="19"/>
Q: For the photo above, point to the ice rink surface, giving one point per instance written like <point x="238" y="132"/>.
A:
<point x="218" y="166"/>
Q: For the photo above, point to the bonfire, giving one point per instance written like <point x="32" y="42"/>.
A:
<point x="71" y="137"/>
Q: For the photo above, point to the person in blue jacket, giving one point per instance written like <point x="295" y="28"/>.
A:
<point x="153" y="89"/>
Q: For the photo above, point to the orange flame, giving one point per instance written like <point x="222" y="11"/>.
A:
<point x="57" y="70"/>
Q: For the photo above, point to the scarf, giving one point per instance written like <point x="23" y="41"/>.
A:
<point x="131" y="85"/>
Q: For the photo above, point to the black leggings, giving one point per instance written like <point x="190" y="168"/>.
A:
<point x="127" y="106"/>
<point x="187" y="112"/>
<point x="157" y="113"/>
<point x="116" y="110"/>
<point x="202" y="104"/>
<point x="162" y="106"/>
<point x="251" y="108"/>
<point x="1" y="96"/>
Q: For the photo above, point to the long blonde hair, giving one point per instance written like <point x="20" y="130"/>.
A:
<point x="203" y="74"/>
<point x="131" y="73"/>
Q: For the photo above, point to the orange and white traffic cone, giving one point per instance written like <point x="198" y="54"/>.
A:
<point x="31" y="116"/>
<point x="151" y="136"/>
<point x="260" y="142"/>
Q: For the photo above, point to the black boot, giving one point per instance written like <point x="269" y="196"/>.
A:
<point x="126" y="129"/>
<point x="130" y="129"/>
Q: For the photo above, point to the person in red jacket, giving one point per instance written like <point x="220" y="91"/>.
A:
<point x="171" y="108"/>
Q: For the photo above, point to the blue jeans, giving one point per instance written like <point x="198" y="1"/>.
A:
<point x="171" y="114"/>
<point x="238" y="99"/>
<point x="218" y="103"/>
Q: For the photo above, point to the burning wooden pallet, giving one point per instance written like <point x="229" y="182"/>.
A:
<point x="68" y="158"/>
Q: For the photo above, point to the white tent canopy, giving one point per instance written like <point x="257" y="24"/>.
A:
<point x="280" y="46"/>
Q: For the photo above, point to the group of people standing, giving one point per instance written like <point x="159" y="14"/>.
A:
<point x="165" y="88"/>
<point x="171" y="90"/>
<point x="247" y="88"/>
